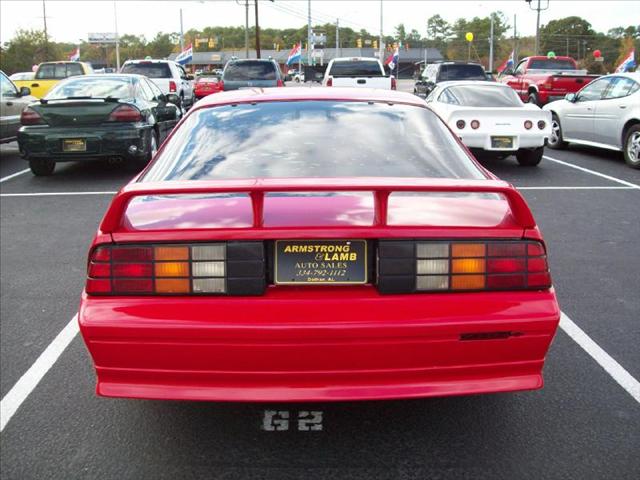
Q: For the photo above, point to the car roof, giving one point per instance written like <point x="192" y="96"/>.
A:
<point x="458" y="62"/>
<point x="149" y="60"/>
<point x="311" y="93"/>
<point x="467" y="83"/>
<point x="355" y="59"/>
<point x="242" y="60"/>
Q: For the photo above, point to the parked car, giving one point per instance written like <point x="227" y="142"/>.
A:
<point x="12" y="101"/>
<point x="374" y="259"/>
<point x="22" y="76"/>
<point x="362" y="72"/>
<point x="169" y="76"/>
<point x="491" y="120"/>
<point x="540" y="80"/>
<point x="435" y="73"/>
<point x="49" y="74"/>
<point x="114" y="116"/>
<point x="207" y="84"/>
<point x="262" y="73"/>
<point x="604" y="114"/>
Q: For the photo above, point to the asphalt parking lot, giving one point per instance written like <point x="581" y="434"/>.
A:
<point x="584" y="424"/>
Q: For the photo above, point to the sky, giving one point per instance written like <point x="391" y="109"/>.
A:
<point x="71" y="21"/>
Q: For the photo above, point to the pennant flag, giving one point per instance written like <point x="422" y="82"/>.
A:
<point x="508" y="63"/>
<point x="628" y="63"/>
<point x="295" y="54"/>
<point x="392" y="60"/>
<point x="186" y="55"/>
<point x="75" y="55"/>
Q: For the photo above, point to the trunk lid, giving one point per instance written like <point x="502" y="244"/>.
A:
<point x="75" y="112"/>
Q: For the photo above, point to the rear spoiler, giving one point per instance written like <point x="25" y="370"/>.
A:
<point x="257" y="188"/>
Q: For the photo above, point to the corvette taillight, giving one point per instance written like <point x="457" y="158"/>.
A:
<point x="125" y="113"/>
<point x="172" y="86"/>
<point x="230" y="268"/>
<point x="432" y="266"/>
<point x="528" y="124"/>
<point x="30" y="117"/>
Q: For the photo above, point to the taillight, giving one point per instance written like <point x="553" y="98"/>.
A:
<point x="541" y="124"/>
<point x="460" y="124"/>
<point x="280" y="83"/>
<point x="426" y="266"/>
<point x="475" y="124"/>
<point x="233" y="268"/>
<point x="221" y="85"/>
<point x="394" y="83"/>
<point x="528" y="124"/>
<point x="125" y="113"/>
<point x="172" y="86"/>
<point x="329" y="82"/>
<point x="30" y="117"/>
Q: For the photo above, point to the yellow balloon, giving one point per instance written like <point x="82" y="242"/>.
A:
<point x="469" y="37"/>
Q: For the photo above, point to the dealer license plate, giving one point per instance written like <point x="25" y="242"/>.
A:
<point x="501" y="142"/>
<point x="74" y="145"/>
<point x="321" y="262"/>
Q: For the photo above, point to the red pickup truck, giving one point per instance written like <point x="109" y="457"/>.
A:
<point x="542" y="80"/>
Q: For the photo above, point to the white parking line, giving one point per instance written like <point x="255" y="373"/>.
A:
<point x="14" y="175"/>
<point x="592" y="172"/>
<point x="54" y="194"/>
<point x="613" y="368"/>
<point x="30" y="380"/>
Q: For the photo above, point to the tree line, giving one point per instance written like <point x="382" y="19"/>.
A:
<point x="572" y="36"/>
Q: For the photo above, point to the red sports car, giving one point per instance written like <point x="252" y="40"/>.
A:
<point x="316" y="245"/>
<point x="205" y="85"/>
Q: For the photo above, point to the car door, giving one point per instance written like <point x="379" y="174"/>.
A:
<point x="515" y="80"/>
<point x="577" y="122"/>
<point x="11" y="106"/>
<point x="187" y="85"/>
<point x="166" y="114"/>
<point x="609" y="113"/>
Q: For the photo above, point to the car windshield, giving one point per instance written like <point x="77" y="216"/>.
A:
<point x="244" y="71"/>
<point x="92" y="87"/>
<point x="312" y="139"/>
<point x="149" y="69"/>
<point x="461" y="72"/>
<point x="356" y="68"/>
<point x="481" y="96"/>
<point x="551" y="64"/>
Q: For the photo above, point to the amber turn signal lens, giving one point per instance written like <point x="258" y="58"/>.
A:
<point x="467" y="250"/>
<point x="172" y="285"/>
<point x="468" y="265"/>
<point x="172" y="269"/>
<point x="467" y="282"/>
<point x="171" y="253"/>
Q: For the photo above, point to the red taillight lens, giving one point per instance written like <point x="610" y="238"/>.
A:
<point x="172" y="86"/>
<point x="125" y="113"/>
<point x="541" y="124"/>
<point x="394" y="83"/>
<point x="329" y="82"/>
<point x="460" y="124"/>
<point x="475" y="124"/>
<point x="30" y="117"/>
<point x="280" y="83"/>
<point x="528" y="124"/>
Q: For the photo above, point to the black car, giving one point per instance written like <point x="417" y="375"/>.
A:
<point x="122" y="116"/>
<point x="260" y="73"/>
<point x="446" y="71"/>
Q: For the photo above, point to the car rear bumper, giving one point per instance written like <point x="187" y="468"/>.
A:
<point x="317" y="344"/>
<point x="101" y="142"/>
<point x="482" y="141"/>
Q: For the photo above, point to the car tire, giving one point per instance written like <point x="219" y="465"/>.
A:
<point x="42" y="167"/>
<point x="529" y="157"/>
<point x="555" y="140"/>
<point x="632" y="146"/>
<point x="153" y="146"/>
<point x="533" y="98"/>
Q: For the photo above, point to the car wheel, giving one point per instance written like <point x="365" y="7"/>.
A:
<point x="529" y="157"/>
<point x="632" y="147"/>
<point x="42" y="167"/>
<point x="555" y="140"/>
<point x="153" y="146"/>
<point x="533" y="98"/>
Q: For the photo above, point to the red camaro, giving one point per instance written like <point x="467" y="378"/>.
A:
<point x="316" y="245"/>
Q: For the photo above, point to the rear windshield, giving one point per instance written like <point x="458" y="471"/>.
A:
<point x="461" y="72"/>
<point x="92" y="87"/>
<point x="151" y="70"/>
<point x="551" y="64"/>
<point x="58" y="70"/>
<point x="356" y="68"/>
<point x="312" y="139"/>
<point x="480" y="96"/>
<point x="244" y="71"/>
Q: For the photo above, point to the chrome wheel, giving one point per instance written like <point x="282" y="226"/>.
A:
<point x="633" y="147"/>
<point x="555" y="132"/>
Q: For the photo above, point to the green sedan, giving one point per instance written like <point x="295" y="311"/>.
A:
<point x="121" y="116"/>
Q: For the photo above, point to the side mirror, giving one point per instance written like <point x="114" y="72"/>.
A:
<point x="172" y="98"/>
<point x="24" y="92"/>
<point x="570" y="97"/>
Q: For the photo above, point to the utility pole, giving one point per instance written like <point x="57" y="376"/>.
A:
<point x="246" y="28"/>
<point x="515" y="41"/>
<point x="491" y="45"/>
<point x="308" y="33"/>
<point x="181" y="33"/>
<point x="380" y="45"/>
<point x="46" y="36"/>
<point x="538" y="9"/>
<point x="337" y="37"/>
<point x="115" y="20"/>
<point x="257" y="31"/>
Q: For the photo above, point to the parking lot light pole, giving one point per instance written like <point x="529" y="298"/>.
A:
<point x="181" y="33"/>
<point x="115" y="20"/>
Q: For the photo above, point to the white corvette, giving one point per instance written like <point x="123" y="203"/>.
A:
<point x="491" y="120"/>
